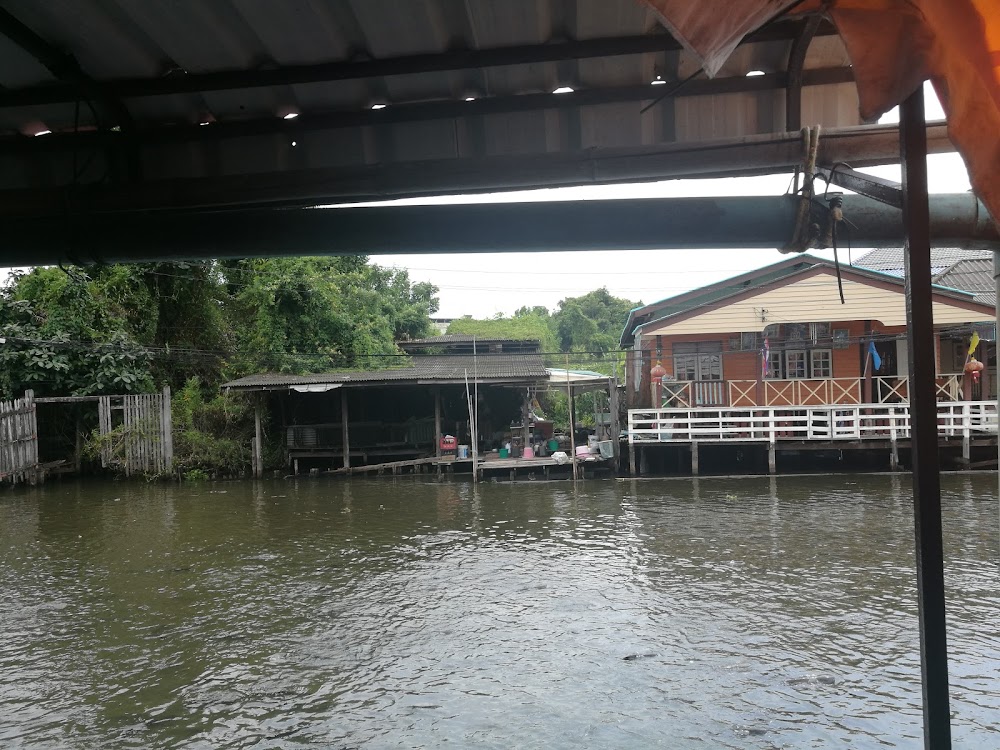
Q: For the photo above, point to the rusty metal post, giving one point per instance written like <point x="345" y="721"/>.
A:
<point x="923" y="405"/>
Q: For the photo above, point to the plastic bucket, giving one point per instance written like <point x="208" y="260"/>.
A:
<point x="463" y="451"/>
<point x="504" y="453"/>
<point x="553" y="445"/>
<point x="528" y="453"/>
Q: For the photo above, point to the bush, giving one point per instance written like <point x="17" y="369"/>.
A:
<point x="212" y="435"/>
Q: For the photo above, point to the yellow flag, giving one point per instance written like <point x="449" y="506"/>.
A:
<point x="974" y="343"/>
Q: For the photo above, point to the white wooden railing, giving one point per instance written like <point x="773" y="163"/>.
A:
<point x="828" y="422"/>
<point x="894" y="389"/>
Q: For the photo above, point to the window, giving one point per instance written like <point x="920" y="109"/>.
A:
<point x="819" y="332"/>
<point x="698" y="361"/>
<point x="841" y="338"/>
<point x="796" y="364"/>
<point x="821" y="363"/>
<point x="774" y="368"/>
<point x="750" y="341"/>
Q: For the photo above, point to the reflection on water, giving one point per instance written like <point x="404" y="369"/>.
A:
<point x="752" y="613"/>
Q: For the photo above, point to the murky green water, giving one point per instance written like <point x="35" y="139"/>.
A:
<point x="753" y="613"/>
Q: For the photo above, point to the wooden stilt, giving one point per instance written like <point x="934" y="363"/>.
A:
<point x="345" y="434"/>
<point x="258" y="459"/>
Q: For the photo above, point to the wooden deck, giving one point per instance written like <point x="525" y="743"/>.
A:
<point x="488" y="467"/>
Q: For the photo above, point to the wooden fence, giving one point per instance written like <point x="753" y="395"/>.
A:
<point x="18" y="440"/>
<point x="137" y="433"/>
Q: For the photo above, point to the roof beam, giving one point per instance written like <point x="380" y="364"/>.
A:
<point x="664" y="223"/>
<point x="864" y="146"/>
<point x="435" y="110"/>
<point x="186" y="83"/>
<point x="79" y="86"/>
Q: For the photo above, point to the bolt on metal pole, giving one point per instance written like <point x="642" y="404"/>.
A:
<point x="924" y="438"/>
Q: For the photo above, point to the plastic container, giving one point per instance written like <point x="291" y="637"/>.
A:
<point x="463" y="451"/>
<point x="581" y="450"/>
<point x="553" y="445"/>
<point x="504" y="453"/>
<point x="528" y="453"/>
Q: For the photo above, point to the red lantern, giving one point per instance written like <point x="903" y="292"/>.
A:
<point x="657" y="373"/>
<point x="973" y="367"/>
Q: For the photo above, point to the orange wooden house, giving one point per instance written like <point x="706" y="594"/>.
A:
<point x="780" y="336"/>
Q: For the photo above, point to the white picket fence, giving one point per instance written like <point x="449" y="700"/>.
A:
<point x="18" y="439"/>
<point x="828" y="422"/>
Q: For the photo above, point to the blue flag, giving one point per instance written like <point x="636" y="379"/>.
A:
<point x="876" y="360"/>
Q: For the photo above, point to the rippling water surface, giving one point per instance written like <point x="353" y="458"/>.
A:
<point x="754" y="613"/>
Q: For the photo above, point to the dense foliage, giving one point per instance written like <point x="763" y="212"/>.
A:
<point x="135" y="328"/>
<point x="121" y="329"/>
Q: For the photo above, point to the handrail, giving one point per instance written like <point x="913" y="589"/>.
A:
<point x="827" y="422"/>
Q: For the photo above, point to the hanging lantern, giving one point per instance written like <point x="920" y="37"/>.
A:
<point x="973" y="367"/>
<point x="657" y="373"/>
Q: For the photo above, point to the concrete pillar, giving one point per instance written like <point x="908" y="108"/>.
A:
<point x="694" y="457"/>
<point x="631" y="459"/>
<point x="893" y="455"/>
<point x="772" y="459"/>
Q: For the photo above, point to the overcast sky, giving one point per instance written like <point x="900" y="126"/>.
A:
<point x="484" y="285"/>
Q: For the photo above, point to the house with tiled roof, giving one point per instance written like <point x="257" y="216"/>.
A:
<point x="954" y="267"/>
<point x="804" y="332"/>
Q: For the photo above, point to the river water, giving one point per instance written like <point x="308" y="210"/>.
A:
<point x="750" y="613"/>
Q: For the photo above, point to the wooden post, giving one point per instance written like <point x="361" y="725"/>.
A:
<point x="631" y="458"/>
<point x="167" y="430"/>
<point x="572" y="426"/>
<point x="258" y="460"/>
<point x="772" y="458"/>
<point x="345" y="434"/>
<point x="924" y="437"/>
<point x="437" y="422"/>
<point x="616" y="427"/>
<point x="868" y="392"/>
<point x="525" y="423"/>
<point x="694" y="458"/>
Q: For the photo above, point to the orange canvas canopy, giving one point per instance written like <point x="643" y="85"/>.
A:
<point x="894" y="46"/>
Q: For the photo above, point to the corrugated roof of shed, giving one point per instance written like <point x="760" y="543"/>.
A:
<point x="494" y="368"/>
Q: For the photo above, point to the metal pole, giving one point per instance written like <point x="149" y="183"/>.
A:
<point x="923" y="405"/>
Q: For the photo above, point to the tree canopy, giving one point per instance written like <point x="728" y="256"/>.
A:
<point x="587" y="327"/>
<point x="131" y="328"/>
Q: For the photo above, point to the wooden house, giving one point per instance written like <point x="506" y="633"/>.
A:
<point x="782" y="336"/>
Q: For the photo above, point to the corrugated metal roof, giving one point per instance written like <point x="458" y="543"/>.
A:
<point x="125" y="40"/>
<point x="492" y="368"/>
